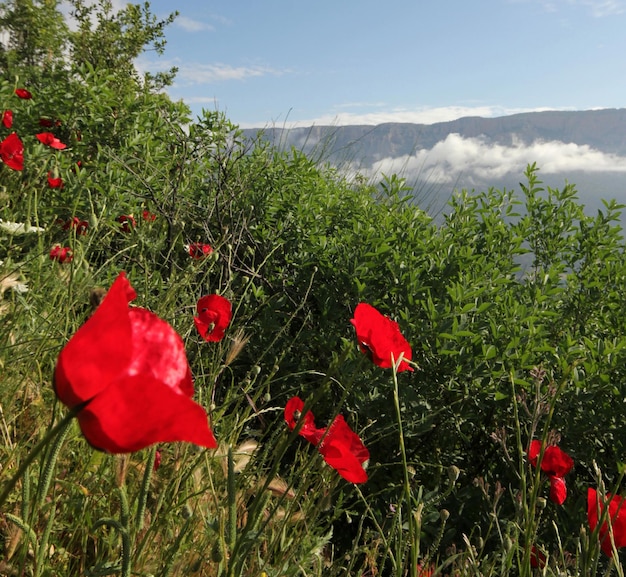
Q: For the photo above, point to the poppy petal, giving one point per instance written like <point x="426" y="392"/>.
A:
<point x="214" y="316"/>
<point x="533" y="452"/>
<point x="99" y="351"/>
<point x="137" y="411"/>
<point x="293" y="413"/>
<point x="380" y="336"/>
<point x="158" y="350"/>
<point x="12" y="152"/>
<point x="339" y="456"/>
<point x="556" y="462"/>
<point x="558" y="490"/>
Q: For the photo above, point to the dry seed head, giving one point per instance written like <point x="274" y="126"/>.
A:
<point x="239" y="341"/>
<point x="538" y="373"/>
<point x="243" y="454"/>
<point x="278" y="488"/>
<point x="554" y="437"/>
<point x="12" y="281"/>
<point x="121" y="469"/>
<point x="96" y="296"/>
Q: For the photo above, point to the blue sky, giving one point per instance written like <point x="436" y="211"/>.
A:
<point x="275" y="62"/>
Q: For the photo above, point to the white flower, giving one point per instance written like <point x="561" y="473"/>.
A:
<point x="17" y="228"/>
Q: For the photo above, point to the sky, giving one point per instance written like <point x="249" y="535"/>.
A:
<point x="293" y="63"/>
<point x="289" y="63"/>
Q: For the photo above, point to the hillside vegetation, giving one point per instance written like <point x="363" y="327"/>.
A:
<point x="474" y="427"/>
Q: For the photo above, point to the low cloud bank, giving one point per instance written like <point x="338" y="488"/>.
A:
<point x="476" y="159"/>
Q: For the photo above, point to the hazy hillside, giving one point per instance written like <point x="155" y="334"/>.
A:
<point x="587" y="148"/>
<point x="604" y="130"/>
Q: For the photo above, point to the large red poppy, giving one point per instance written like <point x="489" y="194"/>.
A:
<point x="339" y="445"/>
<point x="556" y="464"/>
<point x="50" y="140"/>
<point x="129" y="369"/>
<point x="12" y="152"/>
<point x="214" y="316"/>
<point x="617" y="514"/>
<point x="380" y="338"/>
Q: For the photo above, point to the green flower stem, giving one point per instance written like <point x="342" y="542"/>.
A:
<point x="142" y="500"/>
<point x="52" y="433"/>
<point x="232" y="502"/>
<point x="50" y="462"/>
<point x="411" y="518"/>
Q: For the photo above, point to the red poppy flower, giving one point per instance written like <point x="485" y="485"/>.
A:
<point x="537" y="558"/>
<point x="556" y="464"/>
<point x="128" y="368"/>
<point x="12" y="152"/>
<point x="339" y="445"/>
<point x="558" y="490"/>
<point x="54" y="182"/>
<point x="148" y="216"/>
<point x="61" y="253"/>
<point x="293" y="414"/>
<point x="81" y="226"/>
<point x="157" y="461"/>
<point x="50" y="140"/>
<point x="425" y="570"/>
<point x="23" y="93"/>
<point x="214" y="316"/>
<point x="7" y="118"/>
<point x="127" y="221"/>
<point x="49" y="123"/>
<point x="380" y="338"/>
<point x="617" y="514"/>
<point x="199" y="250"/>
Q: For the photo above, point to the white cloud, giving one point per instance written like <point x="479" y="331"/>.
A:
<point x="598" y="8"/>
<point x="191" y="25"/>
<point x="194" y="73"/>
<point x="602" y="8"/>
<point x="200" y="100"/>
<point x="211" y="73"/>
<point x="475" y="158"/>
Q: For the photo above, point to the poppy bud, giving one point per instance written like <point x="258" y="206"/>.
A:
<point x="453" y="473"/>
<point x="508" y="544"/>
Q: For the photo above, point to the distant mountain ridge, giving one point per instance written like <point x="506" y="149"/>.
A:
<point x="604" y="130"/>
<point x="586" y="148"/>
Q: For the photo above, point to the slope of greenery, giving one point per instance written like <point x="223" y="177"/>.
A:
<point x="513" y="306"/>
